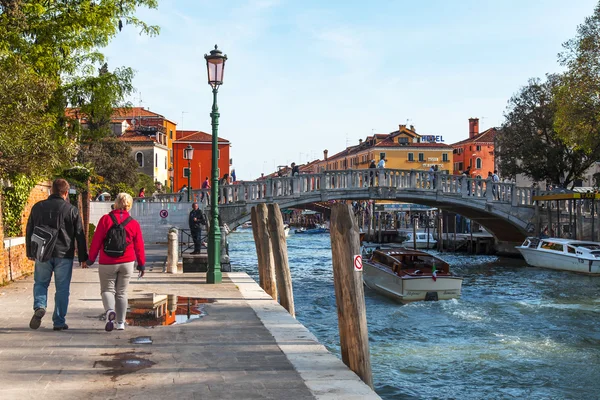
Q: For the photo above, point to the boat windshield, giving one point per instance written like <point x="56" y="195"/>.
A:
<point x="589" y="246"/>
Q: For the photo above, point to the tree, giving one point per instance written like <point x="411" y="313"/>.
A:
<point x="112" y="161"/>
<point x="528" y="143"/>
<point x="95" y="98"/>
<point x="46" y="48"/>
<point x="578" y="97"/>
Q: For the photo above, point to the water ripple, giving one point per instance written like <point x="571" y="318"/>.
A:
<point x="516" y="333"/>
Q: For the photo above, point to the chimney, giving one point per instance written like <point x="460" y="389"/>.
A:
<point x="325" y="154"/>
<point x="473" y="127"/>
<point x="412" y="128"/>
<point x="359" y="141"/>
<point x="400" y="127"/>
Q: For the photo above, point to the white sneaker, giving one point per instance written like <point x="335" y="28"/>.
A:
<point x="120" y="326"/>
<point x="110" y="317"/>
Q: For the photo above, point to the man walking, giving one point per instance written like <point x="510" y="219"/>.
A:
<point x="205" y="187"/>
<point x="56" y="213"/>
<point x="196" y="220"/>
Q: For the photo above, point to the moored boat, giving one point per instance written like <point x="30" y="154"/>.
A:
<point x="410" y="275"/>
<point x="423" y="240"/>
<point x="562" y="254"/>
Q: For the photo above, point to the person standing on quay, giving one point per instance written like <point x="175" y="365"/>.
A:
<point x="196" y="220"/>
<point x="55" y="211"/>
<point x="115" y="271"/>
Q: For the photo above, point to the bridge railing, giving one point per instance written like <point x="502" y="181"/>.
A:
<point x="305" y="184"/>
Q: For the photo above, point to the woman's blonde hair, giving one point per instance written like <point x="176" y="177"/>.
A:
<point x="124" y="201"/>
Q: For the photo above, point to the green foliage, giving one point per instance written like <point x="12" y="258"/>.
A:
<point x="91" y="230"/>
<point x="578" y="102"/>
<point x="528" y="143"/>
<point x="14" y="201"/>
<point x="112" y="161"/>
<point x="28" y="144"/>
<point x="48" y="56"/>
<point x="95" y="98"/>
<point x="121" y="188"/>
<point x="78" y="176"/>
<point x="145" y="181"/>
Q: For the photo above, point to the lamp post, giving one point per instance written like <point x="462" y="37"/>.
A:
<point x="215" y="65"/>
<point x="188" y="154"/>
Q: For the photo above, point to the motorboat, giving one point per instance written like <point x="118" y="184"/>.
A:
<point x="312" y="231"/>
<point x="562" y="254"/>
<point x="410" y="275"/>
<point x="423" y="240"/>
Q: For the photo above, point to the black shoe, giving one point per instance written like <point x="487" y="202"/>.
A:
<point x="61" y="328"/>
<point x="195" y="252"/>
<point x="36" y="320"/>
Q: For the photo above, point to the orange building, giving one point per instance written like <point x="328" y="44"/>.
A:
<point x="201" y="164"/>
<point x="477" y="151"/>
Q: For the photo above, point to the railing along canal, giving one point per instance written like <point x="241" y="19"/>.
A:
<point x="304" y="185"/>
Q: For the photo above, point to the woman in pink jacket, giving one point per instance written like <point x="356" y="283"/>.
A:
<point x="116" y="267"/>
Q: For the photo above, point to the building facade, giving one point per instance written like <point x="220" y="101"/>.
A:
<point x="403" y="149"/>
<point x="201" y="164"/>
<point x="476" y="152"/>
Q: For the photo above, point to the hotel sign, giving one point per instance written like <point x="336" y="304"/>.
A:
<point x="432" y="139"/>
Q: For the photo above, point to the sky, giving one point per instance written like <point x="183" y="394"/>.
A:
<point x="305" y="76"/>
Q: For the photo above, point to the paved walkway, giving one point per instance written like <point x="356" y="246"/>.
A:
<point x="245" y="347"/>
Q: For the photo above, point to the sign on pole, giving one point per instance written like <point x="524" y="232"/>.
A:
<point x="164" y="213"/>
<point x="358" y="263"/>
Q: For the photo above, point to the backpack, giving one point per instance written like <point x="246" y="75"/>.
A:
<point x="115" y="241"/>
<point x="43" y="238"/>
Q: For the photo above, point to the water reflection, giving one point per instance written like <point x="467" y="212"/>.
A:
<point x="158" y="309"/>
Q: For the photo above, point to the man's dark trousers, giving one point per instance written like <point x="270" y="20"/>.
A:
<point x="197" y="238"/>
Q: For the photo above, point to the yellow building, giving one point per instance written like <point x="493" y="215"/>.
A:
<point x="403" y="149"/>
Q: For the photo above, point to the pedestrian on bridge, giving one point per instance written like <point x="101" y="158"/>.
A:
<point x="372" y="173"/>
<point x="205" y="186"/>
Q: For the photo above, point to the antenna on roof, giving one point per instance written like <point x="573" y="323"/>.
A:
<point x="183" y="112"/>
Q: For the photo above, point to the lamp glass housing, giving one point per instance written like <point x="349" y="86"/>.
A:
<point x="215" y="66"/>
<point x="188" y="152"/>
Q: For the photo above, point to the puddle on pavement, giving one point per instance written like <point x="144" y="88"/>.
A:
<point x="123" y="363"/>
<point x="153" y="309"/>
<point x="141" y="340"/>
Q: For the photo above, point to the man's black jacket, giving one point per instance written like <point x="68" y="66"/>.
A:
<point x="200" y="219"/>
<point x="46" y="212"/>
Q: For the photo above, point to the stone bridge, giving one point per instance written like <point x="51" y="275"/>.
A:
<point x="503" y="209"/>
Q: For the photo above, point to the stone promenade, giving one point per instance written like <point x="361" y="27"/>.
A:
<point x="241" y="345"/>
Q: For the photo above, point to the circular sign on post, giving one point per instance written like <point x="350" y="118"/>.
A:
<point x="358" y="263"/>
<point x="164" y="213"/>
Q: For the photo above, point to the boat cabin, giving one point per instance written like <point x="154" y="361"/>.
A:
<point x="407" y="261"/>
<point x="563" y="246"/>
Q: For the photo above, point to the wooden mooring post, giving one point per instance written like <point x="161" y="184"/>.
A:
<point x="349" y="293"/>
<point x="264" y="252"/>
<point x="280" y="258"/>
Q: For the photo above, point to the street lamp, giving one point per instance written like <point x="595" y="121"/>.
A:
<point x="215" y="65"/>
<point x="188" y="154"/>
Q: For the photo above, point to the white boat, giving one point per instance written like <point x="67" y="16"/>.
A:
<point x="286" y="230"/>
<point x="421" y="241"/>
<point x="410" y="275"/>
<point x="562" y="254"/>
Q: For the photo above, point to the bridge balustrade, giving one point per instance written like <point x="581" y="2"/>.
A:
<point x="306" y="184"/>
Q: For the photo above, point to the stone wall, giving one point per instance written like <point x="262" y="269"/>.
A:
<point x="13" y="258"/>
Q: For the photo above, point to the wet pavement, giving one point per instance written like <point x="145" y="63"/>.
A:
<point x="185" y="340"/>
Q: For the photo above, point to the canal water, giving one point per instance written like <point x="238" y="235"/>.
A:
<point x="517" y="332"/>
